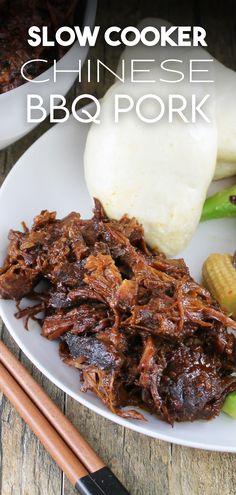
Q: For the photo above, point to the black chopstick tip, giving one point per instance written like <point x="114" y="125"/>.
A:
<point x="86" y="486"/>
<point x="104" y="480"/>
<point x="101" y="482"/>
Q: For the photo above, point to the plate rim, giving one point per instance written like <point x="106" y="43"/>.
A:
<point x="106" y="413"/>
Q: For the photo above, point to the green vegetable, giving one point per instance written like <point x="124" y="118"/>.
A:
<point x="229" y="406"/>
<point x="220" y="205"/>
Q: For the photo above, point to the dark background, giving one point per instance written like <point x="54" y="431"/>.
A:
<point x="217" y="17"/>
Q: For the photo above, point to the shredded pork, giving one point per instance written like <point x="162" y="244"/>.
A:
<point x="140" y="330"/>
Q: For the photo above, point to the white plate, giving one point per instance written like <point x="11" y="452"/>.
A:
<point x="50" y="175"/>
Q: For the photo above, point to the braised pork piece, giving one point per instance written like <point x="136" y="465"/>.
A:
<point x="135" y="324"/>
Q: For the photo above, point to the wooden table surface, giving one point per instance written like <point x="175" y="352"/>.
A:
<point x="145" y="466"/>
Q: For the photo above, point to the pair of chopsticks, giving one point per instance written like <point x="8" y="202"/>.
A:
<point x="73" y="454"/>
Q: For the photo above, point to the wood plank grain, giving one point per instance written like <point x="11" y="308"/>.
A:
<point x="26" y="468"/>
<point x="198" y="472"/>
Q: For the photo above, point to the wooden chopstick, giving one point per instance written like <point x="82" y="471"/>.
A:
<point x="81" y="461"/>
<point x="48" y="436"/>
<point x="68" y="432"/>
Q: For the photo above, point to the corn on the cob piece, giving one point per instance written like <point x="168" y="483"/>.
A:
<point x="219" y="276"/>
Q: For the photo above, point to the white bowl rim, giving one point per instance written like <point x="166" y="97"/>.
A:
<point x="88" y="20"/>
